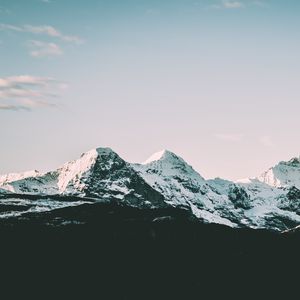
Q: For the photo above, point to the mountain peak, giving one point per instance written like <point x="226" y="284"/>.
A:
<point x="170" y="164"/>
<point x="104" y="150"/>
<point x="160" y="155"/>
<point x="284" y="174"/>
<point x="102" y="153"/>
<point x="295" y="162"/>
<point x="18" y="176"/>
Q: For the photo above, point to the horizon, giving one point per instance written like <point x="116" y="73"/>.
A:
<point x="214" y="81"/>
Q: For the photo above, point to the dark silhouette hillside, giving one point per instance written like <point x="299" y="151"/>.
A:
<point x="111" y="251"/>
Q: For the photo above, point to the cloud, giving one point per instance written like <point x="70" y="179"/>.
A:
<point x="42" y="30"/>
<point x="42" y="49"/>
<point x="237" y="4"/>
<point x="266" y="141"/>
<point x="230" y="137"/>
<point x="232" y="4"/>
<point x="12" y="107"/>
<point x="227" y="4"/>
<point x="17" y="81"/>
<point x="27" y="92"/>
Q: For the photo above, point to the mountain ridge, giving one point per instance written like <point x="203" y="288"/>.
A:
<point x="270" y="200"/>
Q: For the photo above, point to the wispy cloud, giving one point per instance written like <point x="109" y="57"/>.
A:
<point x="237" y="4"/>
<point x="232" y="4"/>
<point x="12" y="107"/>
<point x="42" y="49"/>
<point x="28" y="92"/>
<point x="42" y="30"/>
<point x="227" y="4"/>
<point x="17" y="81"/>
<point x="230" y="137"/>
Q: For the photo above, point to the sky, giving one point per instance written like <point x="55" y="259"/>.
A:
<point x="217" y="82"/>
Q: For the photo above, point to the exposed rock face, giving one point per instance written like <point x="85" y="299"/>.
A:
<point x="239" y="197"/>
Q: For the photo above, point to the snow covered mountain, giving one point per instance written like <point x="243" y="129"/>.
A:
<point x="253" y="204"/>
<point x="180" y="184"/>
<point x="271" y="200"/>
<point x="275" y="195"/>
<point x="98" y="173"/>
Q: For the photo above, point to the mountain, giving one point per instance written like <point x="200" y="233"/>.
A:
<point x="180" y="184"/>
<point x="275" y="194"/>
<point x="99" y="173"/>
<point x="271" y="201"/>
<point x="253" y="204"/>
<point x="284" y="174"/>
<point x="103" y="174"/>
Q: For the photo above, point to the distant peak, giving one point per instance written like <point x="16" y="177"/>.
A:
<point x="18" y="176"/>
<point x="104" y="150"/>
<point x="100" y="153"/>
<point x="294" y="161"/>
<point x="31" y="172"/>
<point x="245" y="180"/>
<point x="159" y="156"/>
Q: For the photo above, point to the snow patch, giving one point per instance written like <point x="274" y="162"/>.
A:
<point x="154" y="157"/>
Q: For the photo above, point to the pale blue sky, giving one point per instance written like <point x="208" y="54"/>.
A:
<point x="217" y="82"/>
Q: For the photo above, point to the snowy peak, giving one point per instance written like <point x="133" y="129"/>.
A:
<point x="160" y="155"/>
<point x="106" y="153"/>
<point x="167" y="163"/>
<point x="7" y="178"/>
<point x="102" y="173"/>
<point x="71" y="173"/>
<point x="294" y="162"/>
<point x="105" y="158"/>
<point x="76" y="175"/>
<point x="108" y="159"/>
<point x="284" y="174"/>
<point x="71" y="178"/>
